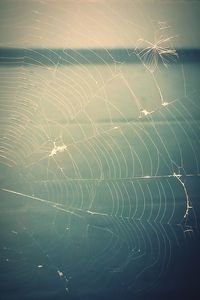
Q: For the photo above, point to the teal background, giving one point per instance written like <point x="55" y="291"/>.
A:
<point x="93" y="192"/>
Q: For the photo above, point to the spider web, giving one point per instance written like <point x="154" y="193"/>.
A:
<point x="94" y="148"/>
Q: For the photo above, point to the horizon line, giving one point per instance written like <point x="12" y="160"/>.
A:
<point x="84" y="56"/>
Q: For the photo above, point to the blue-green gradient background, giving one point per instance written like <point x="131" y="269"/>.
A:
<point x="103" y="217"/>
